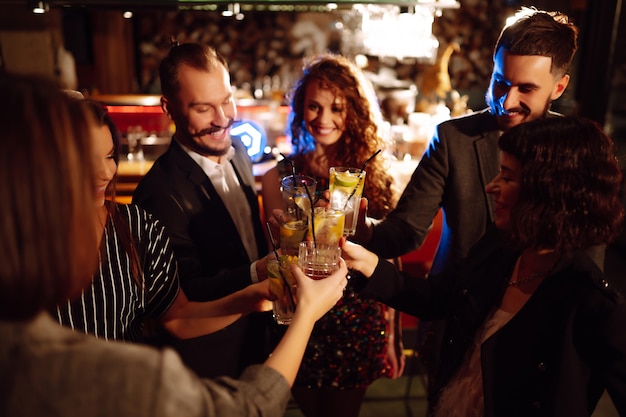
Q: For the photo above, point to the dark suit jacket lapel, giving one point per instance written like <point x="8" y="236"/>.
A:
<point x="195" y="174"/>
<point x="198" y="177"/>
<point x="487" y="151"/>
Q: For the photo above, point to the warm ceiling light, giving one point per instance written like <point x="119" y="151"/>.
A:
<point x="41" y="7"/>
<point x="127" y="14"/>
<point x="411" y="30"/>
<point x="229" y="11"/>
<point x="234" y="9"/>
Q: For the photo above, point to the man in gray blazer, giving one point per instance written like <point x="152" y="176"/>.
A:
<point x="531" y="60"/>
<point x="203" y="191"/>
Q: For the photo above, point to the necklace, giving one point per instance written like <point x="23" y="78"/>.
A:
<point x="531" y="277"/>
<point x="538" y="259"/>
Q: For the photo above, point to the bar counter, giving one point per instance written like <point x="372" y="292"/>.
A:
<point x="129" y="173"/>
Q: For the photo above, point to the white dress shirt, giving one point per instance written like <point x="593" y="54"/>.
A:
<point x="226" y="183"/>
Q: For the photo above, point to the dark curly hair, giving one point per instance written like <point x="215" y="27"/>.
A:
<point x="570" y="180"/>
<point x="360" y="139"/>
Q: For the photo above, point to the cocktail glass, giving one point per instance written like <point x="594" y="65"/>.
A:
<point x="292" y="232"/>
<point x="318" y="260"/>
<point x="283" y="286"/>
<point x="327" y="225"/>
<point x="297" y="191"/>
<point x="346" y="189"/>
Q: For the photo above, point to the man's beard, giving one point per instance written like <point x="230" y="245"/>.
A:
<point x="214" y="128"/>
<point x="198" y="147"/>
<point x="206" y="151"/>
<point x="497" y="109"/>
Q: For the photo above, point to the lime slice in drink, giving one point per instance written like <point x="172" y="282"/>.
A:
<point x="273" y="270"/>
<point x="291" y="228"/>
<point x="346" y="179"/>
<point x="303" y="203"/>
<point x="329" y="226"/>
<point x="273" y="274"/>
<point x="285" y="267"/>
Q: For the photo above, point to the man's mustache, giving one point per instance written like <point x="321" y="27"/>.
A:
<point x="214" y="128"/>
<point x="501" y="111"/>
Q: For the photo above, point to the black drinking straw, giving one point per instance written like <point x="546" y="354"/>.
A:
<point x="312" y="213"/>
<point x="293" y="176"/>
<point x="282" y="277"/>
<point x="293" y="168"/>
<point x="360" y="178"/>
<point x="367" y="161"/>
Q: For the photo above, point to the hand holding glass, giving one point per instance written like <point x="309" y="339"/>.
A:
<point x="282" y="286"/>
<point x="346" y="189"/>
<point x="319" y="260"/>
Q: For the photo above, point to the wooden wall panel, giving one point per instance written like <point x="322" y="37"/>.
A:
<point x="113" y="53"/>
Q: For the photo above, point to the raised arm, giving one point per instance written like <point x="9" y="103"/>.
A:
<point x="405" y="228"/>
<point x="186" y="319"/>
<point x="315" y="298"/>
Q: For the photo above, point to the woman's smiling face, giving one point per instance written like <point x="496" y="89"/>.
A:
<point x="324" y="113"/>
<point x="103" y="162"/>
<point x="505" y="188"/>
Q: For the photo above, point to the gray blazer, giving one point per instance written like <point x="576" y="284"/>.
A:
<point x="48" y="370"/>
<point x="462" y="158"/>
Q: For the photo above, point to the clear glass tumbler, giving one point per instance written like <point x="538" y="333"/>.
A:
<point x="319" y="260"/>
<point x="346" y="189"/>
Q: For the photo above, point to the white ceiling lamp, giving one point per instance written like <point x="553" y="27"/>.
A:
<point x="41" y="7"/>
<point x="388" y="32"/>
<point x="233" y="9"/>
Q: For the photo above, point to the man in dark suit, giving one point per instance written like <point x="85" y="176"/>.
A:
<point x="202" y="190"/>
<point x="531" y="63"/>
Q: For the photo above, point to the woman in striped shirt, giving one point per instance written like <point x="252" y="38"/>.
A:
<point x="137" y="277"/>
<point x="48" y="253"/>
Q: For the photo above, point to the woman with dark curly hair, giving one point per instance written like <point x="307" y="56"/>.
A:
<point x="334" y="121"/>
<point x="533" y="326"/>
<point x="567" y="200"/>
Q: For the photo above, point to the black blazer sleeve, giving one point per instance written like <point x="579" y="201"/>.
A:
<point x="211" y="257"/>
<point x="438" y="296"/>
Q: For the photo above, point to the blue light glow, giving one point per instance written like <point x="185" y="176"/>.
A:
<point x="252" y="136"/>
